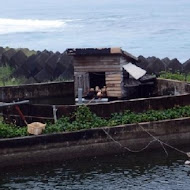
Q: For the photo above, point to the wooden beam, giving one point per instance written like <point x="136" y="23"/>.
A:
<point x="113" y="82"/>
<point x="113" y="94"/>
<point x="113" y="85"/>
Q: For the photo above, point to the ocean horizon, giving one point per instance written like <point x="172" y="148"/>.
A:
<point x="148" y="28"/>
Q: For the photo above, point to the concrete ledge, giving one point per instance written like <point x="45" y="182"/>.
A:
<point x="44" y="112"/>
<point x="92" y="142"/>
<point x="172" y="87"/>
<point x="37" y="91"/>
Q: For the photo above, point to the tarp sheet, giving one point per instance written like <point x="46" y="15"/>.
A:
<point x="134" y="71"/>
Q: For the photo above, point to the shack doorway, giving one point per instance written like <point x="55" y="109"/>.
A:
<point x="97" y="79"/>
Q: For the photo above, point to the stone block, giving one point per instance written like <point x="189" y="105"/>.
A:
<point x="6" y="56"/>
<point x="43" y="76"/>
<point x="174" y="66"/>
<point x="142" y="62"/>
<point x="186" y="66"/>
<point x="51" y="63"/>
<point x="18" y="59"/>
<point x="156" y="67"/>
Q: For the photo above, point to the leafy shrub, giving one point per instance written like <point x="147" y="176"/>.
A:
<point x="83" y="118"/>
<point x="175" y="76"/>
<point x="8" y="131"/>
<point x="6" y="76"/>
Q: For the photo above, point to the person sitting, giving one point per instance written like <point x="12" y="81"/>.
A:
<point x="91" y="94"/>
<point x="99" y="94"/>
<point x="104" y="92"/>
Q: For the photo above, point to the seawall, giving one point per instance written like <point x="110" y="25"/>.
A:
<point x="92" y="142"/>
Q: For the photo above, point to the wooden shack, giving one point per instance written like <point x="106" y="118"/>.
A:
<point x="101" y="67"/>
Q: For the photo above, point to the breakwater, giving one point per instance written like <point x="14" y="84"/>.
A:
<point x="37" y="66"/>
<point x="156" y="65"/>
<point x="43" y="66"/>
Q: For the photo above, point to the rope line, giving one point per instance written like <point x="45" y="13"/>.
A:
<point x="137" y="151"/>
<point x="130" y="150"/>
<point x="172" y="147"/>
<point x="163" y="144"/>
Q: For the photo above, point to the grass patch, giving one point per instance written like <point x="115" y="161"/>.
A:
<point x="175" y="76"/>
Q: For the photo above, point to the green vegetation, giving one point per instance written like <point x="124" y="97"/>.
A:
<point x="83" y="118"/>
<point x="8" y="131"/>
<point x="6" y="78"/>
<point x="175" y="76"/>
<point x="26" y="51"/>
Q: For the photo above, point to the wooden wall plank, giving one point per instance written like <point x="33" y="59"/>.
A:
<point x="113" y="75"/>
<point x="95" y="61"/>
<point x="113" y="79"/>
<point x="114" y="94"/>
<point x="113" y="82"/>
<point x="114" y="89"/>
<point x="82" y="81"/>
<point x="97" y="69"/>
<point x="113" y="85"/>
<point x="91" y="63"/>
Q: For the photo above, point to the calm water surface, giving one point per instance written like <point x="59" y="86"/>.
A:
<point x="146" y="27"/>
<point x="139" y="171"/>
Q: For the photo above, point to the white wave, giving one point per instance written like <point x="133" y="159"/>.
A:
<point x="28" y="25"/>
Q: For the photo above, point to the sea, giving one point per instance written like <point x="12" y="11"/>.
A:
<point x="141" y="27"/>
<point x="143" y="171"/>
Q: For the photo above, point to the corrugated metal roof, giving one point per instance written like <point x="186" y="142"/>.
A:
<point x="101" y="51"/>
<point x="134" y="71"/>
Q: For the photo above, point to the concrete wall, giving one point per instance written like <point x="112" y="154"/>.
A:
<point x="92" y="142"/>
<point x="171" y="87"/>
<point x="44" y="113"/>
<point x="37" y="91"/>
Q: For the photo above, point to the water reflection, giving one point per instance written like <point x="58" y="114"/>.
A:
<point x="137" y="171"/>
